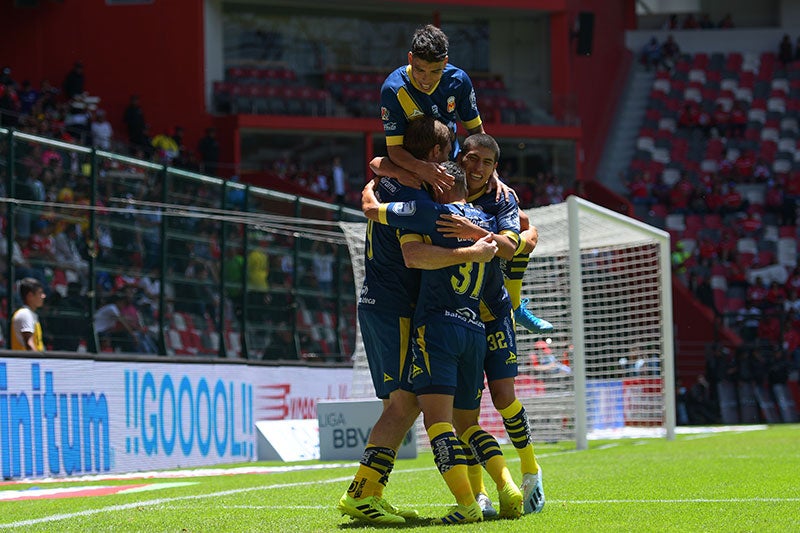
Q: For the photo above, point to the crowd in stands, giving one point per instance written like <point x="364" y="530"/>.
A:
<point x="718" y="166"/>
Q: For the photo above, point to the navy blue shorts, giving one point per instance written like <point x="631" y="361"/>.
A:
<point x="501" y="349"/>
<point x="386" y="340"/>
<point x="448" y="359"/>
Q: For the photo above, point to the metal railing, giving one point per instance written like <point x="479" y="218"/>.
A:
<point x="196" y="265"/>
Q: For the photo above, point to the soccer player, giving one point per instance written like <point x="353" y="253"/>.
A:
<point x="449" y="345"/>
<point x="430" y="85"/>
<point x="26" y="331"/>
<point x="479" y="158"/>
<point x="385" y="308"/>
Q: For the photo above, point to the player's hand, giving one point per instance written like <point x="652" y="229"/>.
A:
<point x="410" y="180"/>
<point x="485" y="249"/>
<point x="435" y="176"/>
<point x="502" y="190"/>
<point x="458" y="227"/>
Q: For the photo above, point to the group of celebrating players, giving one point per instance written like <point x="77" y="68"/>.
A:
<point x="445" y="253"/>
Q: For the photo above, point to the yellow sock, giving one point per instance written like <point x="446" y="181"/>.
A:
<point x="515" y="419"/>
<point x="451" y="461"/>
<point x="489" y="453"/>
<point x="514" y="288"/>
<point x="514" y="272"/>
<point x="373" y="472"/>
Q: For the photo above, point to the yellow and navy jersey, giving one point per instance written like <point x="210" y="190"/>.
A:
<point x="450" y="294"/>
<point x="506" y="213"/>
<point x="389" y="286"/>
<point x="451" y="100"/>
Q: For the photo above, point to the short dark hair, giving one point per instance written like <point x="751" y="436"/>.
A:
<point x="430" y="44"/>
<point x="29" y="286"/>
<point x="457" y="171"/>
<point x="423" y="134"/>
<point x="482" y="140"/>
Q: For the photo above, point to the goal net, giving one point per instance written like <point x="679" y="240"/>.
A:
<point x="603" y="280"/>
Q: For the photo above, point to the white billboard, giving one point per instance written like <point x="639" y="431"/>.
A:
<point x="62" y="417"/>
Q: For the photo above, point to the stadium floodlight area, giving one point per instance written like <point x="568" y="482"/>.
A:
<point x="607" y="369"/>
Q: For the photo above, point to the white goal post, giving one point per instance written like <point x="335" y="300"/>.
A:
<point x="607" y="370"/>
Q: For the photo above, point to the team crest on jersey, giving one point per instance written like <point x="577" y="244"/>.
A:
<point x="404" y="209"/>
<point x="384" y="113"/>
<point x="451" y="104"/>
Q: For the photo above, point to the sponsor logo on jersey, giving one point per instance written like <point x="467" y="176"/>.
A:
<point x="415" y="371"/>
<point x="478" y="396"/>
<point x="390" y="126"/>
<point x="384" y="113"/>
<point x="404" y="209"/>
<point x="416" y="113"/>
<point x="435" y="111"/>
<point x="451" y="104"/>
<point x="473" y="101"/>
<point x="512" y="358"/>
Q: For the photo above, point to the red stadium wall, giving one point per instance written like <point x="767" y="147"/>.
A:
<point x="153" y="50"/>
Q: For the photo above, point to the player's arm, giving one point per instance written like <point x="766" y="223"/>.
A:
<point x="528" y="234"/>
<point x="418" y="254"/>
<point x="456" y="226"/>
<point x="370" y="205"/>
<point x="383" y="166"/>
<point x="28" y="341"/>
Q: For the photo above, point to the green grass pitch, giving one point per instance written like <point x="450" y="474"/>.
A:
<point x="726" y="481"/>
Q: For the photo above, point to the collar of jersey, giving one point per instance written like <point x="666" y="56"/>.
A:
<point x="417" y="87"/>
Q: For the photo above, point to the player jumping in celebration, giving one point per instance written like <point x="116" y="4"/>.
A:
<point x="430" y="85"/>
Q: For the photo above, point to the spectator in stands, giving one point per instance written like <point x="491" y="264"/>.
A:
<point x="793" y="281"/>
<point x="705" y="22"/>
<point x="726" y="22"/>
<point x="651" y="54"/>
<point x="102" y="131"/>
<point x="5" y="77"/>
<point x="134" y="119"/>
<point x="68" y="255"/>
<point x="28" y="97"/>
<point x="670" y="52"/>
<point x="323" y="261"/>
<point x="208" y="148"/>
<point x="738" y="121"/>
<point x="9" y="106"/>
<point x="690" y="23"/>
<point x="114" y="333"/>
<point x="74" y="81"/>
<point x="757" y="292"/>
<point x="282" y="343"/>
<point x="71" y="328"/>
<point x="748" y="320"/>
<point x="339" y="181"/>
<point x="778" y="367"/>
<point x="671" y="23"/>
<point x="785" y="50"/>
<point x="700" y="403"/>
<point x="258" y="298"/>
